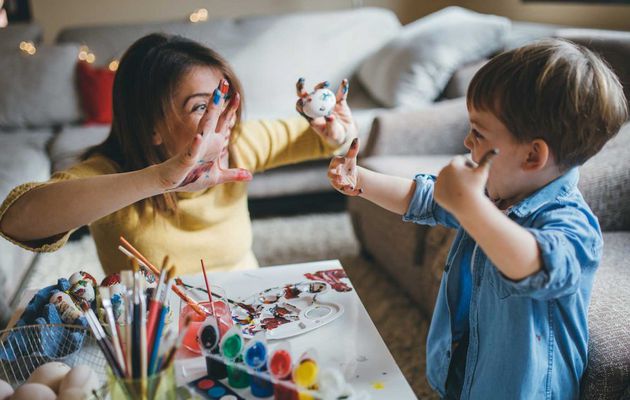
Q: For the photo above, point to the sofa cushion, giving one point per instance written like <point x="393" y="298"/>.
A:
<point x="458" y="84"/>
<point x="436" y="129"/>
<point x="67" y="147"/>
<point x="38" y="90"/>
<point x="23" y="160"/>
<point x="612" y="46"/>
<point x="13" y="34"/>
<point x="323" y="46"/>
<point x="608" y="371"/>
<point x="413" y="69"/>
<point x="605" y="182"/>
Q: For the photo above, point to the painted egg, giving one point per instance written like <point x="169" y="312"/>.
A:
<point x="5" y="390"/>
<point x="319" y="103"/>
<point x="83" y="290"/>
<point x="66" y="308"/>
<point x="33" y="391"/>
<point x="81" y="276"/>
<point x="111" y="280"/>
<point x="150" y="278"/>
<point x="81" y="378"/>
<point x="50" y="374"/>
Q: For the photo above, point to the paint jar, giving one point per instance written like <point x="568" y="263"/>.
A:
<point x="219" y="306"/>
<point x="305" y="374"/>
<point x="231" y="348"/>
<point x="280" y="367"/>
<point x="255" y="357"/>
<point x="208" y="338"/>
<point x="159" y="386"/>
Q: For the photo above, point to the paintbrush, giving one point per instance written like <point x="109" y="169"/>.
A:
<point x="160" y="324"/>
<point x="101" y="340"/>
<point x="205" y="278"/>
<point x="126" y="278"/>
<point x="113" y="326"/>
<point x="136" y="323"/>
<point x="130" y="251"/>
<point x="170" y="356"/>
<point x="155" y="306"/>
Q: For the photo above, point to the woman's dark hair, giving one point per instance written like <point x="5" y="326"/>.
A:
<point x="144" y="87"/>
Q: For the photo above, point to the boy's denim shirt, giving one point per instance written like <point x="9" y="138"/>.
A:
<point x="528" y="339"/>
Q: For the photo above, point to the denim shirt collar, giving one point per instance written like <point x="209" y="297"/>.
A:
<point x="554" y="189"/>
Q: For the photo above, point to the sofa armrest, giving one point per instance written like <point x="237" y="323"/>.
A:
<point x="437" y="129"/>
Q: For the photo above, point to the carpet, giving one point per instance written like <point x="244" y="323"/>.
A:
<point x="282" y="240"/>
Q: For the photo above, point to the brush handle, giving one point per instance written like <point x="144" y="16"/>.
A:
<point x="156" y="344"/>
<point x="135" y="342"/>
<point x="154" y="314"/>
<point x="135" y="253"/>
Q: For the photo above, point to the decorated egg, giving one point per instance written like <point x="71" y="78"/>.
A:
<point x="150" y="278"/>
<point x="33" y="391"/>
<point x="83" y="291"/>
<point x="66" y="308"/>
<point x="111" y="280"/>
<point x="319" y="103"/>
<point x="5" y="390"/>
<point x="81" y="276"/>
<point x="50" y="374"/>
<point x="81" y="378"/>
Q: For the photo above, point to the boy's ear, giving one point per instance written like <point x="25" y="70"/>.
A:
<point x="538" y="155"/>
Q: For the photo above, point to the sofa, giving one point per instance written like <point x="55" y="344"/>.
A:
<point x="44" y="128"/>
<point x="423" y="140"/>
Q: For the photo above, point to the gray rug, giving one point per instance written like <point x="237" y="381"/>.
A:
<point x="299" y="239"/>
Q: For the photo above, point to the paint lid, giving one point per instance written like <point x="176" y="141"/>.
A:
<point x="280" y="362"/>
<point x="208" y="335"/>
<point x="305" y="373"/>
<point x="256" y="351"/>
<point x="231" y="345"/>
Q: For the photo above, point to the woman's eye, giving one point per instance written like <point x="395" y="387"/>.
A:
<point x="199" y="107"/>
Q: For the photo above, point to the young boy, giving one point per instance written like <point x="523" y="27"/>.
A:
<point x="510" y="321"/>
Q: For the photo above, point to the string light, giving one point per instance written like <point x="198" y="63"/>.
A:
<point x="86" y="55"/>
<point x="113" y="66"/>
<point x="199" y="15"/>
<point x="28" y="47"/>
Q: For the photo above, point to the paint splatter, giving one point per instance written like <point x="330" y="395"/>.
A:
<point x="332" y="277"/>
<point x="378" y="385"/>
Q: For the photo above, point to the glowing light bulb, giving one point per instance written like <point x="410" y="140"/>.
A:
<point x="194" y="17"/>
<point x="203" y="14"/>
<point x="90" y="58"/>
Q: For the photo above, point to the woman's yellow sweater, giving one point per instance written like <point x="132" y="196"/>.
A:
<point x="213" y="224"/>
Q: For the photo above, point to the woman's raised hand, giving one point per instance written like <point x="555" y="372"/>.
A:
<point x="204" y="163"/>
<point x="339" y="126"/>
<point x="342" y="171"/>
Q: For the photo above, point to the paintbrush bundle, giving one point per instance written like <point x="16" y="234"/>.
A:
<point x="134" y="311"/>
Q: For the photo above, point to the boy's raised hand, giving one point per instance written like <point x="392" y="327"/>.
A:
<point x="339" y="126"/>
<point x="342" y="171"/>
<point x="203" y="164"/>
<point x="461" y="181"/>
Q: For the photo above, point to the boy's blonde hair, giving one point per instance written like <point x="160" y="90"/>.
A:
<point x="553" y="90"/>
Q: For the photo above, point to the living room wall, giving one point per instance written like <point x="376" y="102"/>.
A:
<point x="54" y="15"/>
<point x="605" y="16"/>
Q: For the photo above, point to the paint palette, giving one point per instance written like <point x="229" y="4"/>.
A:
<point x="286" y="311"/>
<point x="209" y="388"/>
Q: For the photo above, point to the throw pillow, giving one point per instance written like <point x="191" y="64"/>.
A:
<point x="95" y="87"/>
<point x="38" y="90"/>
<point x="413" y="69"/>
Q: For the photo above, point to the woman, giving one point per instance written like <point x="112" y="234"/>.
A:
<point x="171" y="177"/>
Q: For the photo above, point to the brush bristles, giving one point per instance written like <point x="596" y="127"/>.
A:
<point x="170" y="274"/>
<point x="165" y="262"/>
<point x="134" y="265"/>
